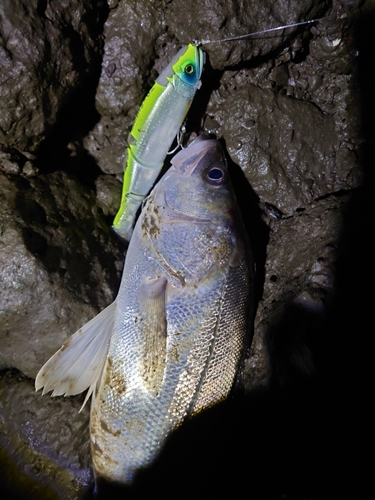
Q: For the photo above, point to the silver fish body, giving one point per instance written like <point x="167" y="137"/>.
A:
<point x="180" y="330"/>
<point x="178" y="324"/>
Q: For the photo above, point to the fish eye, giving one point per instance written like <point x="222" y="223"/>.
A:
<point x="189" y="69"/>
<point x="215" y="175"/>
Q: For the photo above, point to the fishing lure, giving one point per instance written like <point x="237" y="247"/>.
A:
<point x="156" y="125"/>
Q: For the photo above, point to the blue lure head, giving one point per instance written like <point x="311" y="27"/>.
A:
<point x="188" y="64"/>
<point x="185" y="69"/>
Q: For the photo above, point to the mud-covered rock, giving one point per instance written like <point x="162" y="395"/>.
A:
<point x="47" y="50"/>
<point x="130" y="33"/>
<point x="286" y="105"/>
<point x="299" y="273"/>
<point x="286" y="147"/>
<point x="211" y="20"/>
<point x="57" y="266"/>
<point x="42" y="463"/>
<point x="107" y="143"/>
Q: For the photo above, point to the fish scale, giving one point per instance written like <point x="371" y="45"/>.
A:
<point x="228" y="343"/>
<point x="181" y="378"/>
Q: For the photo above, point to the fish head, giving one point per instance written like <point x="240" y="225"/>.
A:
<point x="198" y="184"/>
<point x="191" y="218"/>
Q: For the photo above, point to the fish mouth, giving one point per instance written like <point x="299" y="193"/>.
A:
<point x="189" y="158"/>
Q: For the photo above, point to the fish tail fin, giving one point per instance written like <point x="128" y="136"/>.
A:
<point x="78" y="364"/>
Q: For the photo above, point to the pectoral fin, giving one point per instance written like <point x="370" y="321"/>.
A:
<point x="237" y="256"/>
<point x="154" y="331"/>
<point x="78" y="364"/>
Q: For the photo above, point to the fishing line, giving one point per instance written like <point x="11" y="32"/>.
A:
<point x="270" y="30"/>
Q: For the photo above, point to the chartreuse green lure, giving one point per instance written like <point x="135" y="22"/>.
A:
<point x="157" y="124"/>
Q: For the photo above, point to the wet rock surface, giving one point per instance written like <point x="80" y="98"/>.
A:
<point x="295" y="110"/>
<point x="45" y="463"/>
<point x="56" y="249"/>
<point x="47" y="51"/>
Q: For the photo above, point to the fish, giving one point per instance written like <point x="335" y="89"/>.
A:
<point x="171" y="343"/>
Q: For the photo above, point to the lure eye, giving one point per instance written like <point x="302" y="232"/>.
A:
<point x="189" y="69"/>
<point x="215" y="176"/>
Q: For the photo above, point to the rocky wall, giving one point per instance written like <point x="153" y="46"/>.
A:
<point x="293" y="108"/>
